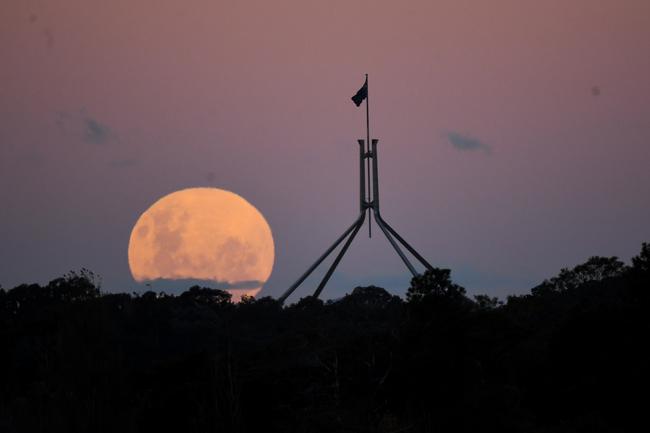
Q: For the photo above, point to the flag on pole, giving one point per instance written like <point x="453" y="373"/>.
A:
<point x="361" y="94"/>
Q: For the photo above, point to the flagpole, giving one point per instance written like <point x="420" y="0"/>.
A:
<point x="369" y="203"/>
<point x="368" y="149"/>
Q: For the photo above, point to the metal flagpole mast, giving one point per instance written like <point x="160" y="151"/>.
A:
<point x="368" y="149"/>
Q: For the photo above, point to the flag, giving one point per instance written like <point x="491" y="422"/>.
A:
<point x="361" y="94"/>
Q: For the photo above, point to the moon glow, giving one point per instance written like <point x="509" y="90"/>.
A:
<point x="203" y="234"/>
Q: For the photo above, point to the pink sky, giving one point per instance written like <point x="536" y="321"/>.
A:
<point x="107" y="106"/>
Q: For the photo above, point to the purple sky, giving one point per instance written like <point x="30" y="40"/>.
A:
<point x="514" y="135"/>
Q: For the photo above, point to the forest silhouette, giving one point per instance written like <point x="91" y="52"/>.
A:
<point x="571" y="356"/>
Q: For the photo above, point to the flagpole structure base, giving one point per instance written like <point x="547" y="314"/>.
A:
<point x="365" y="206"/>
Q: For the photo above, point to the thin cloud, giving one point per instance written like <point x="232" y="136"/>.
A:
<point x="182" y="284"/>
<point x="85" y="127"/>
<point x="467" y="144"/>
<point x="96" y="132"/>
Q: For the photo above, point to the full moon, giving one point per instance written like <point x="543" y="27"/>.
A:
<point x="203" y="234"/>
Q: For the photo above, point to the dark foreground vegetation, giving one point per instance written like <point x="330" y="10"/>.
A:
<point x="572" y="356"/>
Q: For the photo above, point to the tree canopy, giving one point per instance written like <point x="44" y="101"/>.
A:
<point x="568" y="357"/>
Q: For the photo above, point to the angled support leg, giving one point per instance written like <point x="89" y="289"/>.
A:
<point x="304" y="276"/>
<point x="383" y="228"/>
<point x="403" y="242"/>
<point x="340" y="255"/>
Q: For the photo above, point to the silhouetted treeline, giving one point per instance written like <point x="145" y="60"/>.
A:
<point x="569" y="357"/>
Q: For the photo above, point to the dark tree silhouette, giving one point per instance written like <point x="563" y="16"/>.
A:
<point x="569" y="357"/>
<point x="435" y="283"/>
<point x="594" y="269"/>
<point x="207" y="296"/>
<point x="486" y="302"/>
<point x="641" y="263"/>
